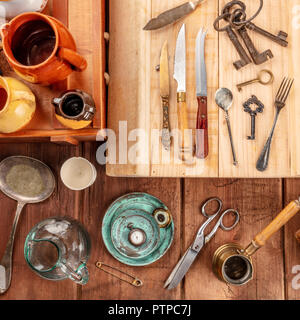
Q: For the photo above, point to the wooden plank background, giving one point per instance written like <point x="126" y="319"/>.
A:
<point x="140" y="101"/>
<point x="258" y="200"/>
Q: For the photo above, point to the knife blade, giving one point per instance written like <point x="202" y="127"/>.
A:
<point x="180" y="76"/>
<point x="172" y="15"/>
<point x="165" y="94"/>
<point x="202" y="147"/>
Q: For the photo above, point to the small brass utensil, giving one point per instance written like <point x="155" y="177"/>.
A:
<point x="233" y="264"/>
<point x="135" y="282"/>
<point x="260" y="79"/>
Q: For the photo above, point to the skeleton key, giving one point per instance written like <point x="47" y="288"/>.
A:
<point x="260" y="79"/>
<point x="280" y="38"/>
<point x="253" y="113"/>
<point x="258" y="58"/>
<point x="245" y="59"/>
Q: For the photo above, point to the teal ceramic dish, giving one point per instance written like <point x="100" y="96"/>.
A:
<point x="136" y="209"/>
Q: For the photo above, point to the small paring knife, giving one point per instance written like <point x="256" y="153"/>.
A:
<point x="165" y="95"/>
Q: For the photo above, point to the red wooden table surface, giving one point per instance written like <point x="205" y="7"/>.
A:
<point x="257" y="200"/>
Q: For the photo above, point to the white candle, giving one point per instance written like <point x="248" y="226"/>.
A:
<point x="78" y="174"/>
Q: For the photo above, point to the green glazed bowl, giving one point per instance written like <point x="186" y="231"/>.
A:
<point x="136" y="209"/>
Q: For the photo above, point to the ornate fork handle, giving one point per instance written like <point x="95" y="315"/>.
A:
<point x="263" y="161"/>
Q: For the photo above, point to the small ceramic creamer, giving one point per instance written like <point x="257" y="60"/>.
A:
<point x="17" y="105"/>
<point x="74" y="109"/>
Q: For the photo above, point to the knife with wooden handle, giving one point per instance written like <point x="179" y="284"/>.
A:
<point x="185" y="146"/>
<point x="165" y="95"/>
<point x="172" y="15"/>
<point x="202" y="147"/>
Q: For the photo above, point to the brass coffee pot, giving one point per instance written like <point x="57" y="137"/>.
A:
<point x="233" y="264"/>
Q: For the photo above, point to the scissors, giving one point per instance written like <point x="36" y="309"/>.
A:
<point x="201" y="240"/>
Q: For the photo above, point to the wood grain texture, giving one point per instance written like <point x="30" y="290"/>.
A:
<point x="96" y="201"/>
<point x="292" y="248"/>
<point x="141" y="93"/>
<point x="258" y="202"/>
<point x="89" y="38"/>
<point x="25" y="283"/>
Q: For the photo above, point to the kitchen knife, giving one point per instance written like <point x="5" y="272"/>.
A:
<point x="180" y="76"/>
<point x="165" y="95"/>
<point x="202" y="148"/>
<point x="172" y="15"/>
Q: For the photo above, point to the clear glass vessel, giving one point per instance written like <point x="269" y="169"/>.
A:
<point x="58" y="249"/>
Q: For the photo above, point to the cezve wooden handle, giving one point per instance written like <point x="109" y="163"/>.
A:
<point x="284" y="216"/>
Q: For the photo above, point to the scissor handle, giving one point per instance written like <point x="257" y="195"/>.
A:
<point x="206" y="215"/>
<point x="237" y="219"/>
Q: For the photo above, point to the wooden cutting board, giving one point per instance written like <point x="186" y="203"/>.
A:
<point x="135" y="103"/>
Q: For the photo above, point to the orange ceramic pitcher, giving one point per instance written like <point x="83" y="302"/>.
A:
<point x="40" y="48"/>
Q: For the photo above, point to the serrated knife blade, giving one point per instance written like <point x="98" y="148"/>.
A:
<point x="201" y="74"/>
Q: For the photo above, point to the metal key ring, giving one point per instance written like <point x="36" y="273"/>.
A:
<point x="231" y="4"/>
<point x="242" y="15"/>
<point x="208" y="202"/>
<point x="243" y="8"/>
<point x="261" y="74"/>
<point x="237" y="219"/>
<point x="222" y="17"/>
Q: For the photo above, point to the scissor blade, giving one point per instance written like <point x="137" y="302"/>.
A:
<point x="181" y="269"/>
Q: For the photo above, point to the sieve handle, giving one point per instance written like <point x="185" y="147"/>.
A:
<point x="284" y="216"/>
<point x="6" y="262"/>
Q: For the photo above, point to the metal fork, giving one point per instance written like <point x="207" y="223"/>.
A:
<point x="281" y="97"/>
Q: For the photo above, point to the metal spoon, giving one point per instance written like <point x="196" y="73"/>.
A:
<point x="25" y="180"/>
<point x="224" y="99"/>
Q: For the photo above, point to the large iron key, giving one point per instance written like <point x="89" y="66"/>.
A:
<point x="258" y="58"/>
<point x="281" y="38"/>
<point x="245" y="59"/>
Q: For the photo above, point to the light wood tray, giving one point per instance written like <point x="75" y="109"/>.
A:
<point x="86" y="21"/>
<point x="134" y="88"/>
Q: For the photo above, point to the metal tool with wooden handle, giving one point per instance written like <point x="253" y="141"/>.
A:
<point x="165" y="95"/>
<point x="172" y="15"/>
<point x="202" y="147"/>
<point x="185" y="144"/>
<point x="284" y="216"/>
<point x="185" y="141"/>
<point x="233" y="264"/>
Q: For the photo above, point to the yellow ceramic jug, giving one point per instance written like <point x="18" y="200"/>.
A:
<point x="17" y="105"/>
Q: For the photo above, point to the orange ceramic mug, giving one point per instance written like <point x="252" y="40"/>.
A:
<point x="40" y="48"/>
